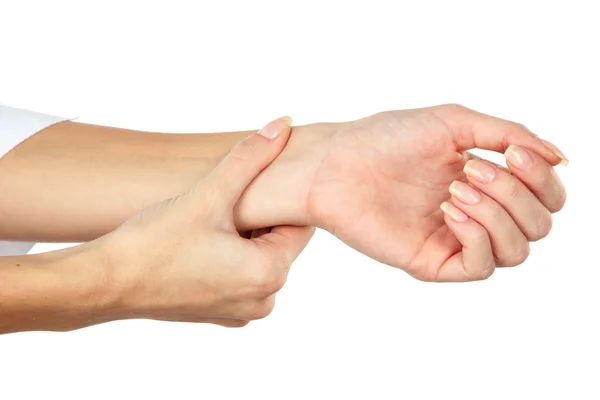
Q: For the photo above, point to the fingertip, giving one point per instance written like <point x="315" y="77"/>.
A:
<point x="276" y="127"/>
<point x="453" y="212"/>
<point x="542" y="147"/>
<point x="564" y="161"/>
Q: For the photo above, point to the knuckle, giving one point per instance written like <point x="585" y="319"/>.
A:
<point x="282" y="259"/>
<point x="244" y="151"/>
<point x="236" y="324"/>
<point x="518" y="255"/>
<point x="513" y="188"/>
<point x="561" y="199"/>
<point x="498" y="214"/>
<point x="273" y="283"/>
<point x="453" y="107"/>
<point x="482" y="273"/>
<point x="426" y="275"/>
<point x="543" y="227"/>
<point x="486" y="272"/>
<point x="521" y="127"/>
<point x="266" y="281"/>
<point x="261" y="310"/>
<point x="481" y="237"/>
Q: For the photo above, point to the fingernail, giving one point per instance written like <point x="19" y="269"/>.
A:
<point x="480" y="171"/>
<point x="556" y="150"/>
<point x="464" y="193"/>
<point x="275" y="127"/>
<point x="453" y="212"/>
<point x="518" y="157"/>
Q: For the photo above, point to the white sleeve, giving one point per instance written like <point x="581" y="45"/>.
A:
<point x="16" y="125"/>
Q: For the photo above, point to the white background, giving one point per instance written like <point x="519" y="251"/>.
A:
<point x="344" y="326"/>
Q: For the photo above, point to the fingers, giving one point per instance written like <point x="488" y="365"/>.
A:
<point x="246" y="160"/>
<point x="285" y="243"/>
<point x="509" y="246"/>
<point x="510" y="194"/>
<point x="538" y="176"/>
<point x="470" y="156"/>
<point x="472" y="129"/>
<point x="513" y="206"/>
<point x="476" y="260"/>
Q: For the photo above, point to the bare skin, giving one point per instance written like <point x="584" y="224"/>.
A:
<point x="181" y="259"/>
<point x="75" y="182"/>
<point x="377" y="183"/>
<point x="380" y="187"/>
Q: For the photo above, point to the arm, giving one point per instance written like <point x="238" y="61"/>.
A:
<point x="60" y="290"/>
<point x="172" y="261"/>
<point x="74" y="182"/>
<point x="376" y="183"/>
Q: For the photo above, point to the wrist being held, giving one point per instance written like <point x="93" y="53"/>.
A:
<point x="184" y="260"/>
<point x="280" y="194"/>
<point x="179" y="260"/>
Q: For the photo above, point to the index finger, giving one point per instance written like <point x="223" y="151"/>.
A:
<point x="472" y="129"/>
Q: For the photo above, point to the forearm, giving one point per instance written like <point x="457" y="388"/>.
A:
<point x="58" y="291"/>
<point x="75" y="182"/>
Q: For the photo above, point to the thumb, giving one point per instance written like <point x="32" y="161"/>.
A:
<point x="246" y="161"/>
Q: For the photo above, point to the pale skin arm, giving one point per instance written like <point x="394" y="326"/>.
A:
<point x="74" y="182"/>
<point x="181" y="259"/>
<point x="377" y="183"/>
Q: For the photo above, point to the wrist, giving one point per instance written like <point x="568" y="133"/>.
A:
<point x="280" y="195"/>
<point x="125" y="289"/>
<point x="88" y="280"/>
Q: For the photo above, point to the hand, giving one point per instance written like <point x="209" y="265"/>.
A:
<point x="183" y="259"/>
<point x="381" y="180"/>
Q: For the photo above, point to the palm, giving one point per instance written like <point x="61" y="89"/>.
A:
<point x="380" y="186"/>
